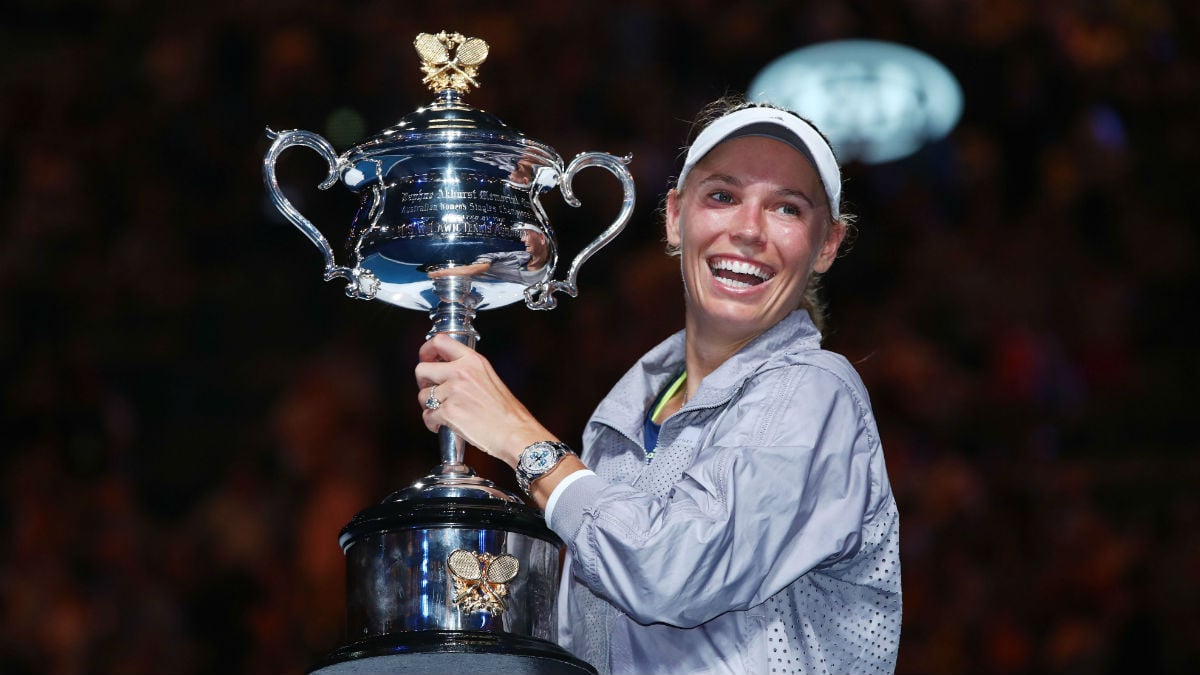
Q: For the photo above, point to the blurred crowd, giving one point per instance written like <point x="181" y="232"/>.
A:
<point x="188" y="414"/>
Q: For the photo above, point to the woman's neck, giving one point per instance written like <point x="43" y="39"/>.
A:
<point x="705" y="352"/>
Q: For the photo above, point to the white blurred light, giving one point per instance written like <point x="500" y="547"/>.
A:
<point x="875" y="101"/>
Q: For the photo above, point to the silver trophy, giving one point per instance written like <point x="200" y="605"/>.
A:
<point x="451" y="572"/>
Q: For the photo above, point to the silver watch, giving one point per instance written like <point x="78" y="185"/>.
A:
<point x="539" y="459"/>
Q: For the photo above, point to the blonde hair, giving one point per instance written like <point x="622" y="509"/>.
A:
<point x="812" y="301"/>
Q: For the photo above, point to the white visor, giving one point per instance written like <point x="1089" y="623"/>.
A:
<point x="782" y="126"/>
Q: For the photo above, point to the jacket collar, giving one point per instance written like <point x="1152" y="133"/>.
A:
<point x="625" y="407"/>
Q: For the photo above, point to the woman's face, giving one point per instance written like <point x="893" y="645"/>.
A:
<point x="535" y="246"/>
<point x="752" y="223"/>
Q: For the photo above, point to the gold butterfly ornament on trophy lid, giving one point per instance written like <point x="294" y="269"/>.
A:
<point x="450" y="60"/>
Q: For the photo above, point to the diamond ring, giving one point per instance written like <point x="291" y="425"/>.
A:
<point x="432" y="402"/>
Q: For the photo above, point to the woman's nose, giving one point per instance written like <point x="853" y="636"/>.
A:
<point x="750" y="227"/>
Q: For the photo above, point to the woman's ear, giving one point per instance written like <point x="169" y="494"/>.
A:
<point x="672" y="218"/>
<point x="829" y="249"/>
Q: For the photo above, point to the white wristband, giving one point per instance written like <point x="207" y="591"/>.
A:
<point x="562" y="485"/>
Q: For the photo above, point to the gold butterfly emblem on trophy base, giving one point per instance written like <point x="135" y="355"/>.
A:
<point x="481" y="580"/>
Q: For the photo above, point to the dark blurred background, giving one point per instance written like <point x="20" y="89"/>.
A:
<point x="190" y="414"/>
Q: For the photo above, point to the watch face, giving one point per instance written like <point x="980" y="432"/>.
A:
<point x="538" y="459"/>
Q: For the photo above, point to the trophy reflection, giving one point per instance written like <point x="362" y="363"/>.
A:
<point x="450" y="572"/>
<point x="522" y="267"/>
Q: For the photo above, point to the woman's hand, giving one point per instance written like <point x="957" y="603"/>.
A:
<point x="474" y="402"/>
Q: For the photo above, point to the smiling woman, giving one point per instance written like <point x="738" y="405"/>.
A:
<point x="750" y="234"/>
<point x="738" y="118"/>
<point x="731" y="510"/>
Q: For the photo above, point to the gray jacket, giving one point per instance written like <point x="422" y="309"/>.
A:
<point x="762" y="538"/>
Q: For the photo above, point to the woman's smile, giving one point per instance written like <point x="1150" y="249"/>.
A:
<point x="739" y="273"/>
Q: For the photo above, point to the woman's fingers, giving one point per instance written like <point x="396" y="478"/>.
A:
<point x="448" y="366"/>
<point x="430" y="397"/>
<point x="442" y="347"/>
<point x="444" y="358"/>
<point x="430" y="423"/>
<point x="431" y="401"/>
<point x="435" y="372"/>
<point x="458" y="388"/>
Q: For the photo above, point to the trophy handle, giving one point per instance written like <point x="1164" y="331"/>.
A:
<point x="541" y="296"/>
<point x="362" y="285"/>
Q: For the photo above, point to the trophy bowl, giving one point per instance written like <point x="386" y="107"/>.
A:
<point x="450" y="573"/>
<point x="449" y="190"/>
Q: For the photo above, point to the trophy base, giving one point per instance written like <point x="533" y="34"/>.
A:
<point x="437" y="651"/>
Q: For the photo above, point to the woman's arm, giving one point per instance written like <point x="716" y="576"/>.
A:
<point x="744" y="521"/>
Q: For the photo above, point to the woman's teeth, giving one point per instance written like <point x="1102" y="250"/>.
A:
<point x="739" y="273"/>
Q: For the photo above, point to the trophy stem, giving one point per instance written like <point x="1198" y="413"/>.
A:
<point x="455" y="311"/>
<point x="453" y="316"/>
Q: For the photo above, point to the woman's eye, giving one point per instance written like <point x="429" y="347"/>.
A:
<point x="721" y="196"/>
<point x="789" y="209"/>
